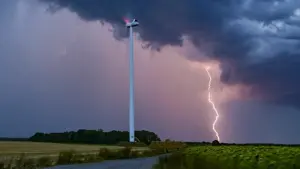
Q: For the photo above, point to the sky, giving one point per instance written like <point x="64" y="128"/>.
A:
<point x="64" y="66"/>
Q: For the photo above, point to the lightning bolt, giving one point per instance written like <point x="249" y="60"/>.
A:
<point x="210" y="100"/>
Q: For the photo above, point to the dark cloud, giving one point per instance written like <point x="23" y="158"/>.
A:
<point x="257" y="42"/>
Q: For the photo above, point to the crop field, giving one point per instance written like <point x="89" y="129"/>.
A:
<point x="10" y="148"/>
<point x="246" y="157"/>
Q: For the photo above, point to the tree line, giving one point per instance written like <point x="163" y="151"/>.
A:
<point x="12" y="139"/>
<point x="94" y="137"/>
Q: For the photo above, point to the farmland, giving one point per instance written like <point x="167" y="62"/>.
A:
<point x="10" y="148"/>
<point x="39" y="155"/>
<point x="235" y="157"/>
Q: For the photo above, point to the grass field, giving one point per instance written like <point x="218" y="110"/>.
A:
<point x="236" y="157"/>
<point x="10" y="148"/>
<point x="250" y="156"/>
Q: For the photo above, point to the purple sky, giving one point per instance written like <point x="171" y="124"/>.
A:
<point x="60" y="72"/>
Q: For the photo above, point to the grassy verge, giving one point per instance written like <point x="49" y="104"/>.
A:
<point x="233" y="157"/>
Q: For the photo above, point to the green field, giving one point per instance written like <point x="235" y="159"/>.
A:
<point x="250" y="156"/>
<point x="10" y="148"/>
<point x="236" y="157"/>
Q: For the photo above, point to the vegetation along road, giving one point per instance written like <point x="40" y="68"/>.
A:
<point x="138" y="163"/>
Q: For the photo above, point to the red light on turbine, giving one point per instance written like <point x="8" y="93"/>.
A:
<point x="126" y="20"/>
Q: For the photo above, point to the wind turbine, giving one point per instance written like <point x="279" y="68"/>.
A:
<point x="130" y="25"/>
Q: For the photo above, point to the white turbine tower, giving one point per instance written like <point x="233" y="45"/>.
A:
<point x="130" y="25"/>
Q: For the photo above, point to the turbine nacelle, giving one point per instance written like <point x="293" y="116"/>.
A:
<point x="133" y="23"/>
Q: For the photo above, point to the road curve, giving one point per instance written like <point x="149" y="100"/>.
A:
<point x="138" y="163"/>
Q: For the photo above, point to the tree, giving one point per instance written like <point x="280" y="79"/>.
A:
<point x="94" y="137"/>
<point x="215" y="143"/>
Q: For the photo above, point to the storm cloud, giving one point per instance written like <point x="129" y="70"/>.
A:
<point x="257" y="42"/>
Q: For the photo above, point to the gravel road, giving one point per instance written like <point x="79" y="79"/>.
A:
<point x="139" y="163"/>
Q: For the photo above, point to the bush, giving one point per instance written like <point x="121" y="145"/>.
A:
<point x="2" y="165"/>
<point x="10" y="163"/>
<point x="65" y="157"/>
<point x="23" y="163"/>
<point x="71" y="157"/>
<point x="167" y="146"/>
<point x="20" y="161"/>
<point x="126" y="152"/>
<point x="129" y="144"/>
<point x="29" y="164"/>
<point x="107" y="154"/>
<point x="79" y="158"/>
<point x="104" y="153"/>
<point x="44" y="162"/>
<point x="215" y="143"/>
<point x="91" y="158"/>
